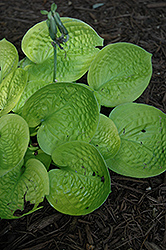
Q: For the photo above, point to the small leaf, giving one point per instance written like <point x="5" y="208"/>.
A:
<point x="106" y="138"/>
<point x="82" y="183"/>
<point x="120" y="73"/>
<point x="8" y="58"/>
<point x="11" y="89"/>
<point x="64" y="111"/>
<point x="22" y="189"/>
<point x="44" y="12"/>
<point x="53" y="7"/>
<point x="142" y="130"/>
<point x="14" y="139"/>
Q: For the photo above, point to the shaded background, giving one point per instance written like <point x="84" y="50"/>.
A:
<point x="134" y="215"/>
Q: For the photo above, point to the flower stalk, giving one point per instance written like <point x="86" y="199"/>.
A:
<point x="55" y="24"/>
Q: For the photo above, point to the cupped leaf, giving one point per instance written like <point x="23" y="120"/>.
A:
<point x="65" y="111"/>
<point x="120" y="73"/>
<point x="73" y="61"/>
<point x="22" y="189"/>
<point x="142" y="130"/>
<point x="40" y="75"/>
<point x="106" y="138"/>
<point x="80" y="51"/>
<point x="11" y="89"/>
<point x="8" y="58"/>
<point x="14" y="139"/>
<point x="82" y="183"/>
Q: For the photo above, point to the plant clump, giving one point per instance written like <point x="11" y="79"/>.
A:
<point x="42" y="99"/>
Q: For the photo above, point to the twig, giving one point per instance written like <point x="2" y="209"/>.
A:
<point x="46" y="235"/>
<point x="18" y="19"/>
<point x="156" y="5"/>
<point x="85" y="9"/>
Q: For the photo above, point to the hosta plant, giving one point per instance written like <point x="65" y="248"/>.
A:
<point x="54" y="140"/>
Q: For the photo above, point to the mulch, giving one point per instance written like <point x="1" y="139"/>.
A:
<point x="134" y="215"/>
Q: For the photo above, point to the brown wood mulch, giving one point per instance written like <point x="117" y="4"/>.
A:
<point x="134" y="215"/>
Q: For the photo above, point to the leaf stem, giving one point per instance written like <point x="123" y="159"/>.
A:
<point x="55" y="63"/>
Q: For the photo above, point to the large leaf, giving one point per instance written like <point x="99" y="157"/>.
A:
<point x="14" y="139"/>
<point x="80" y="50"/>
<point x="142" y="130"/>
<point x="82" y="183"/>
<point x="65" y="111"/>
<point x="106" y="138"/>
<point x="120" y="73"/>
<point x="22" y="189"/>
<point x="11" y="89"/>
<point x="8" y="58"/>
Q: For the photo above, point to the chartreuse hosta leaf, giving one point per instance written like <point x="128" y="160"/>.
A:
<point x="34" y="83"/>
<point x="64" y="111"/>
<point x="120" y="73"/>
<point x="106" y="138"/>
<point x="8" y="58"/>
<point x="22" y="189"/>
<point x="36" y="44"/>
<point x="72" y="63"/>
<point x="142" y="130"/>
<point x="14" y="139"/>
<point x="82" y="183"/>
<point x="11" y="89"/>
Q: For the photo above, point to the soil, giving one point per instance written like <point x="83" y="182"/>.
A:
<point x="134" y="215"/>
